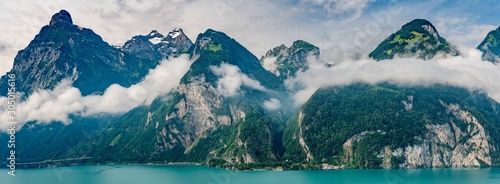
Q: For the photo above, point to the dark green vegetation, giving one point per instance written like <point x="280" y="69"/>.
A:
<point x="490" y="46"/>
<point x="335" y="114"/>
<point x="38" y="142"/>
<point x="417" y="38"/>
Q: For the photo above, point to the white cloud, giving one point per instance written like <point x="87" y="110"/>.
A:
<point x="338" y="6"/>
<point x="468" y="72"/>
<point x="46" y="106"/>
<point x="231" y="79"/>
<point x="463" y="32"/>
<point x="269" y="63"/>
<point x="272" y="104"/>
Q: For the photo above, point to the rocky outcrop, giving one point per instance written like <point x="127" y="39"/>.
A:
<point x="62" y="18"/>
<point x="461" y="142"/>
<point x="302" y="142"/>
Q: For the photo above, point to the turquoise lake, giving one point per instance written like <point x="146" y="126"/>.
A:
<point x="125" y="174"/>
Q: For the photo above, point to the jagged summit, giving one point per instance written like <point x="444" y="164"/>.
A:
<point x="156" y="46"/>
<point x="418" y="38"/>
<point x="62" y="17"/>
<point x="176" y="32"/>
<point x="285" y="62"/>
<point x="155" y="33"/>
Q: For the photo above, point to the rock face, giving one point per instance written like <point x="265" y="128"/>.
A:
<point x="285" y="62"/>
<point x="386" y="126"/>
<point x="205" y="112"/>
<point x="449" y="145"/>
<point x="490" y="46"/>
<point x="155" y="46"/>
<point x="418" y="38"/>
<point x="64" y="50"/>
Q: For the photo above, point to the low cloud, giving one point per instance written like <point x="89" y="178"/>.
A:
<point x="467" y="71"/>
<point x="231" y="79"/>
<point x="338" y="7"/>
<point x="269" y="63"/>
<point x="46" y="106"/>
<point x="272" y="104"/>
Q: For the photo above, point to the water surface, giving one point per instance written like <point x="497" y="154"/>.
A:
<point x="149" y="174"/>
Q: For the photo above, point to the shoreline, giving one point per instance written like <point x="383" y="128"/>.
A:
<point x="232" y="167"/>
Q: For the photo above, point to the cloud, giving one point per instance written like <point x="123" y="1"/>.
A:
<point x="272" y="104"/>
<point x="46" y="106"/>
<point x="463" y="31"/>
<point x="338" y="7"/>
<point x="468" y="72"/>
<point x="269" y="63"/>
<point x="231" y="79"/>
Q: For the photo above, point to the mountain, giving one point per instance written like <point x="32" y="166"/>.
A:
<point x="197" y="122"/>
<point x="64" y="50"/>
<point x="285" y="62"/>
<point x="490" y="46"/>
<point x="387" y="126"/>
<point x="418" y="38"/>
<point x="155" y="46"/>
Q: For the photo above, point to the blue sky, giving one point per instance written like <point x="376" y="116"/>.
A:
<point x="340" y="27"/>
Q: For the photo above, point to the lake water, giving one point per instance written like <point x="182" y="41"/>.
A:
<point x="125" y="174"/>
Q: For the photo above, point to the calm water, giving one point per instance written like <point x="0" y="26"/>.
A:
<point x="123" y="174"/>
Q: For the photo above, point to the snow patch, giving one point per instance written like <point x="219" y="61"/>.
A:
<point x="174" y="34"/>
<point x="155" y="40"/>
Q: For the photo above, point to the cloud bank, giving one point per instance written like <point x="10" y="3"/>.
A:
<point x="467" y="71"/>
<point x="231" y="79"/>
<point x="46" y="106"/>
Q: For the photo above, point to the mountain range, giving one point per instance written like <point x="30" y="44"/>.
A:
<point x="208" y="119"/>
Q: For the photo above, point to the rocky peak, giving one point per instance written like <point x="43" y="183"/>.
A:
<point x="418" y="38"/>
<point x="175" y="33"/>
<point x="490" y="46"/>
<point x="427" y="26"/>
<point x="213" y="48"/>
<point x="156" y="46"/>
<point x="62" y="17"/>
<point x="285" y="62"/>
<point x="155" y="33"/>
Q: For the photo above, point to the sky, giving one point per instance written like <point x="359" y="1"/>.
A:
<point x="340" y="28"/>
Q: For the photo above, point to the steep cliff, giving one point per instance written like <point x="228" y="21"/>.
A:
<point x="385" y="126"/>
